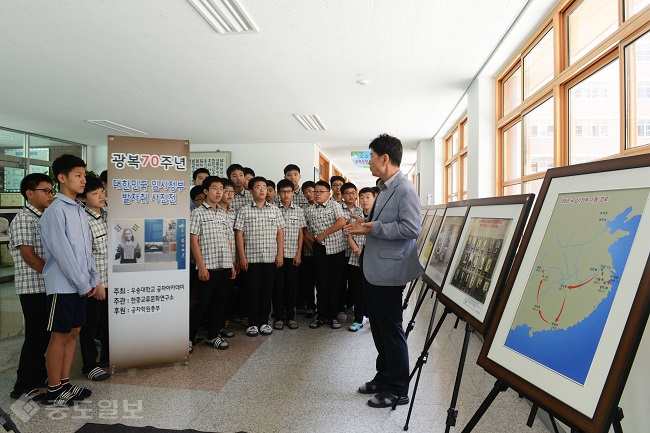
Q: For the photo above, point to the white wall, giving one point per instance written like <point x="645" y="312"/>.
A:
<point x="481" y="151"/>
<point x="267" y="159"/>
<point x="429" y="165"/>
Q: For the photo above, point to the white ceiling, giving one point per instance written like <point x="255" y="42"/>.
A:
<point x="157" y="66"/>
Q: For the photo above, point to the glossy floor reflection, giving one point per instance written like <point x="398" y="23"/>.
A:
<point x="300" y="380"/>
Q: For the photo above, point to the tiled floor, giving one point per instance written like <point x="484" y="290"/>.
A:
<point x="292" y="381"/>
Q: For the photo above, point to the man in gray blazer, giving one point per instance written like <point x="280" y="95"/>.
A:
<point x="389" y="261"/>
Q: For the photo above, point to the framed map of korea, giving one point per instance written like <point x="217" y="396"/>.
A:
<point x="576" y="301"/>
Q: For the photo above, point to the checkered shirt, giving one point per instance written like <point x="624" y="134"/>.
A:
<point x="24" y="231"/>
<point x="231" y="217"/>
<point x="98" y="231"/>
<point x="260" y="227"/>
<point x="294" y="220"/>
<point x="361" y="242"/>
<point x="241" y="199"/>
<point x="214" y="230"/>
<point x="320" y="217"/>
<point x="356" y="210"/>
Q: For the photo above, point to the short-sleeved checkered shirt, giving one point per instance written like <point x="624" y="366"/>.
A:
<point x="241" y="199"/>
<point x="231" y="217"/>
<point x="356" y="210"/>
<point x="24" y="231"/>
<point x="214" y="229"/>
<point x="361" y="242"/>
<point x="320" y="217"/>
<point x="294" y="221"/>
<point x="98" y="232"/>
<point x="260" y="227"/>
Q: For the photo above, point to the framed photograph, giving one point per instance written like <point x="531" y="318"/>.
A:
<point x="484" y="255"/>
<point x="427" y="219"/>
<point x="438" y="213"/>
<point x="445" y="244"/>
<point x="576" y="301"/>
<point x="216" y="162"/>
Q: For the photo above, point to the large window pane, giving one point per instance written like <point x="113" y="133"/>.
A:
<point x="454" y="142"/>
<point x="463" y="162"/>
<point x="533" y="186"/>
<point x="512" y="189"/>
<point x="637" y="67"/>
<point x="512" y="92"/>
<point x="538" y="144"/>
<point x="634" y="6"/>
<point x="538" y="65"/>
<point x="512" y="152"/>
<point x="590" y="23"/>
<point x="13" y="162"/>
<point x="594" y="125"/>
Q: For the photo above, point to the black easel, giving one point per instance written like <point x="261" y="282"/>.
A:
<point x="7" y="423"/>
<point x="420" y="363"/>
<point x="410" y="293"/>
<point x="423" y="294"/>
<point x="452" y="412"/>
<point x="500" y="386"/>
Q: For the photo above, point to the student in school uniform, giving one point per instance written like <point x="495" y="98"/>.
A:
<point x="235" y="173"/>
<point x="349" y="206"/>
<point x="26" y="250"/>
<point x="97" y="306"/>
<point x="271" y="194"/>
<point x="71" y="277"/>
<point x="198" y="177"/>
<point x="249" y="173"/>
<point x="259" y="236"/>
<point x="225" y="206"/>
<point x="337" y="182"/>
<point x="306" y="301"/>
<point x="210" y="244"/>
<point x="286" y="281"/>
<point x="292" y="173"/>
<point x="356" y="243"/>
<point x="324" y="223"/>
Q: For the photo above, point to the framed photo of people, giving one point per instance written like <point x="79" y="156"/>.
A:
<point x="430" y="237"/>
<point x="445" y="244"/>
<point x="483" y="257"/>
<point x="427" y="219"/>
<point x="576" y="301"/>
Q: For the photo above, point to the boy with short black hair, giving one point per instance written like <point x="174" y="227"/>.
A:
<point x="242" y="196"/>
<point x="286" y="281"/>
<point x="259" y="236"/>
<point x="70" y="277"/>
<point x="324" y="223"/>
<point x="198" y="177"/>
<point x="356" y="243"/>
<point x="27" y="252"/>
<point x="97" y="306"/>
<point x="349" y="206"/>
<point x="212" y="250"/>
<point x="270" y="191"/>
<point x="292" y="173"/>
<point x="306" y="301"/>
<point x="337" y="182"/>
<point x="249" y="173"/>
<point x="197" y="196"/>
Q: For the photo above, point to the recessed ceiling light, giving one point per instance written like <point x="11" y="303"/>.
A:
<point x="225" y="16"/>
<point x="310" y="122"/>
<point x="363" y="82"/>
<point x="117" y="127"/>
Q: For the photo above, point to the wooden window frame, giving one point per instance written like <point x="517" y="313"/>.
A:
<point x="565" y="76"/>
<point x="457" y="157"/>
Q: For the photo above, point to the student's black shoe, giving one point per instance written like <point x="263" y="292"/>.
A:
<point x="386" y="399"/>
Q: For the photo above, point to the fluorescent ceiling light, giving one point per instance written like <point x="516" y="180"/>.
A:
<point x="117" y="127"/>
<point x="225" y="16"/>
<point x="310" y="122"/>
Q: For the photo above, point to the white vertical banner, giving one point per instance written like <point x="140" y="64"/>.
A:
<point x="148" y="244"/>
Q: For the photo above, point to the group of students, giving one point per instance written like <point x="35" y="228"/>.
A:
<point x="261" y="248"/>
<point x="255" y="250"/>
<point x="60" y="252"/>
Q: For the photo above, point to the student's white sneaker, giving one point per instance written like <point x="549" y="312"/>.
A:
<point x="266" y="329"/>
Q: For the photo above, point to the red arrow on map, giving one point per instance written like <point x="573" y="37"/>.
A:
<point x="582" y="284"/>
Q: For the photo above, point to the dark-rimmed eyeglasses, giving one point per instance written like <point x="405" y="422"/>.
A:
<point x="45" y="190"/>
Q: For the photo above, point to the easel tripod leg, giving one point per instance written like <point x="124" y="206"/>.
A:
<point x="452" y="412"/>
<point x="499" y="386"/>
